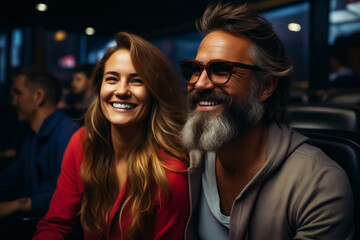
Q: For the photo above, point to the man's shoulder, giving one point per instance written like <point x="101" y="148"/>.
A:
<point x="302" y="155"/>
<point x="307" y="154"/>
<point x="63" y="119"/>
<point x="309" y="164"/>
<point x="64" y="124"/>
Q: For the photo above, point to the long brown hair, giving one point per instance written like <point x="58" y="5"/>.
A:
<point x="145" y="167"/>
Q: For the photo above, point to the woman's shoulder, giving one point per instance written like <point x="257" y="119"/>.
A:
<point x="172" y="163"/>
<point x="176" y="173"/>
<point x="80" y="134"/>
<point x="75" y="146"/>
<point x="78" y="137"/>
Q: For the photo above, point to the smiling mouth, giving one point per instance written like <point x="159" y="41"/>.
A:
<point x="208" y="103"/>
<point x="123" y="105"/>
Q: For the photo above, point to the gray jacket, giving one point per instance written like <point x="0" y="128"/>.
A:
<point x="299" y="193"/>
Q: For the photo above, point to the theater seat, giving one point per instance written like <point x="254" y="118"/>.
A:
<point x="343" y="96"/>
<point x="325" y="116"/>
<point x="344" y="148"/>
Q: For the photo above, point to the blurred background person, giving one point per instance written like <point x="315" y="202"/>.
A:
<point x="354" y="52"/>
<point x="124" y="173"/>
<point x="341" y="75"/>
<point x="27" y="184"/>
<point x="82" y="88"/>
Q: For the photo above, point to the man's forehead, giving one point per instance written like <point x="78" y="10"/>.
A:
<point x="224" y="45"/>
<point x="20" y="79"/>
<point x="223" y="39"/>
<point x="19" y="82"/>
<point x="80" y="73"/>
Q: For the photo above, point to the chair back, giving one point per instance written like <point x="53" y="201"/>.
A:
<point x="344" y="148"/>
<point x="325" y="116"/>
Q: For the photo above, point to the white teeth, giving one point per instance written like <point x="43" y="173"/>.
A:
<point x="207" y="103"/>
<point x="123" y="105"/>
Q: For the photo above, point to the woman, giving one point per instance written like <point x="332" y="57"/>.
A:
<point x="124" y="173"/>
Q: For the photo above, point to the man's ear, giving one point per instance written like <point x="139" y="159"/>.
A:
<point x="39" y="96"/>
<point x="268" y="87"/>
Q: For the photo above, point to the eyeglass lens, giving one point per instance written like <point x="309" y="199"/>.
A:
<point x="218" y="72"/>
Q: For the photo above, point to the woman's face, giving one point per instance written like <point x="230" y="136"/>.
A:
<point x="124" y="98"/>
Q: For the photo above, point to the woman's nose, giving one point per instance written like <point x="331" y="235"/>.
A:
<point x="122" y="90"/>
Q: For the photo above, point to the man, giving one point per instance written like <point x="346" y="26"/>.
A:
<point x="82" y="93"/>
<point x="28" y="183"/>
<point x="342" y="76"/>
<point x="251" y="176"/>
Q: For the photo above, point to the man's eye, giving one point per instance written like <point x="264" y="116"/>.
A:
<point x="220" y="70"/>
<point x="221" y="73"/>
<point x="15" y="92"/>
<point x="196" y="73"/>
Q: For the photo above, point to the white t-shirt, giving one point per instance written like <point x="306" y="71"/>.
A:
<point x="212" y="223"/>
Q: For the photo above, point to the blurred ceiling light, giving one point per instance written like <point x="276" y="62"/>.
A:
<point x="42" y="7"/>
<point x="59" y="35"/>
<point x="294" y="27"/>
<point x="90" y="31"/>
<point x="67" y="61"/>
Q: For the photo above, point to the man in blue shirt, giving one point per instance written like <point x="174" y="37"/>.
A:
<point x="31" y="179"/>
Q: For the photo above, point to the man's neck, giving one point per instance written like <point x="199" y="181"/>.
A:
<point x="238" y="162"/>
<point x="39" y="117"/>
<point x="245" y="151"/>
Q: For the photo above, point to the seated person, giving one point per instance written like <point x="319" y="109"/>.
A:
<point x="28" y="183"/>
<point x="82" y="89"/>
<point x="342" y="76"/>
<point x="124" y="173"/>
<point x="251" y="176"/>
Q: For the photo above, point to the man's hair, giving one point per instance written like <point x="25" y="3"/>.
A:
<point x="40" y="78"/>
<point x="268" y="52"/>
<point x="85" y="68"/>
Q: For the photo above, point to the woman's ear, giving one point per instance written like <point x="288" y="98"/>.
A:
<point x="268" y="87"/>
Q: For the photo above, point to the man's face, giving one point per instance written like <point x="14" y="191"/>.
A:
<point x="226" y="46"/>
<point x="220" y="113"/>
<point x="80" y="83"/>
<point x="23" y="99"/>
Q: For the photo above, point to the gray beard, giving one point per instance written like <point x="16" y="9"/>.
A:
<point x="209" y="131"/>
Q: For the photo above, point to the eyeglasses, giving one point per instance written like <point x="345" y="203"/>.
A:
<point x="219" y="71"/>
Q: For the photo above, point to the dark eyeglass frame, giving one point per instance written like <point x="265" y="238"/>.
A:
<point x="208" y="71"/>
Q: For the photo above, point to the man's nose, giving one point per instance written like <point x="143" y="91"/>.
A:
<point x="204" y="82"/>
<point x="13" y="100"/>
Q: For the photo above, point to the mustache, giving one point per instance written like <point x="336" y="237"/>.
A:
<point x="195" y="97"/>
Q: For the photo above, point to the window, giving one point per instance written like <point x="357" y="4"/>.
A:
<point x="16" y="46"/>
<point x="344" y="18"/>
<point x="291" y="23"/>
<point x="3" y="45"/>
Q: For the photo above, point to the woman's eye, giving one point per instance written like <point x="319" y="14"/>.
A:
<point x="110" y="79"/>
<point x="136" y="81"/>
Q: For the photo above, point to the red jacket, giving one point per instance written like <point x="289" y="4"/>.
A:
<point x="62" y="220"/>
